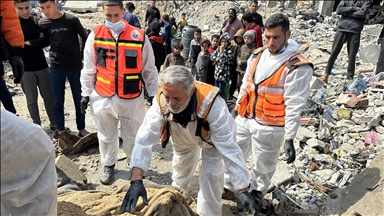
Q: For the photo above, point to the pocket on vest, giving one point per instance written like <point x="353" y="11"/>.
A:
<point x="132" y="84"/>
<point x="130" y="58"/>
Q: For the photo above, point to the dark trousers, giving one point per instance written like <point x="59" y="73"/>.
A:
<point x="233" y="86"/>
<point x="221" y="85"/>
<point x="353" y="43"/>
<point x="6" y="97"/>
<point x="58" y="78"/>
<point x="380" y="62"/>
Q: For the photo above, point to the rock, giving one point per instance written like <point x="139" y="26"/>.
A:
<point x="306" y="212"/>
<point x="343" y="98"/>
<point x="324" y="174"/>
<point x="303" y="134"/>
<point x="316" y="83"/>
<point x="379" y="129"/>
<point x="361" y="119"/>
<point x="71" y="170"/>
<point x="345" y="123"/>
<point x="375" y="121"/>
<point x="347" y="149"/>
<point x="282" y="174"/>
<point x="315" y="143"/>
<point x="82" y="6"/>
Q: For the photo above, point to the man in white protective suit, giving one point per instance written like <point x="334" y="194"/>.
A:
<point x="275" y="88"/>
<point x="28" y="173"/>
<point x="118" y="58"/>
<point x="196" y="118"/>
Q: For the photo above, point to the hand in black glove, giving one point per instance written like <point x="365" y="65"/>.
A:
<point x="135" y="191"/>
<point x="248" y="202"/>
<point x="234" y="113"/>
<point x="84" y="104"/>
<point x="149" y="101"/>
<point x="290" y="151"/>
<point x="17" y="68"/>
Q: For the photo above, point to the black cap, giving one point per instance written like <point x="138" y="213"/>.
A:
<point x="129" y="6"/>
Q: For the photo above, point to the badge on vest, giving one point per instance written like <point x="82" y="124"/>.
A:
<point x="135" y="35"/>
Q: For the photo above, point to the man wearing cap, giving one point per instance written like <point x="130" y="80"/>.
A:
<point x="129" y="16"/>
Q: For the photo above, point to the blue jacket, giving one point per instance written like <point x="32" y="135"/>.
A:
<point x="132" y="19"/>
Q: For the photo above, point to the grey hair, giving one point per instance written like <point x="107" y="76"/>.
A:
<point x="176" y="75"/>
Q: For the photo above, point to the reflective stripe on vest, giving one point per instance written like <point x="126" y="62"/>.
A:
<point x="267" y="105"/>
<point x="205" y="96"/>
<point x="119" y="63"/>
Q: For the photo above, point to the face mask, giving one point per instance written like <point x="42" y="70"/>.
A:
<point x="114" y="26"/>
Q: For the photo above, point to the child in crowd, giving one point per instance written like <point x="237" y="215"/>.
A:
<point x="182" y="22"/>
<point x="175" y="58"/>
<point x="203" y="61"/>
<point x="245" y="52"/>
<point x="222" y="57"/>
<point x="211" y="69"/>
<point x="194" y="49"/>
<point x="236" y="43"/>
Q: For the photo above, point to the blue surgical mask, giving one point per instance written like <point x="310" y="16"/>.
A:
<point x="114" y="26"/>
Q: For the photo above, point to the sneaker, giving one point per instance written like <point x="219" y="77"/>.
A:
<point x="228" y="195"/>
<point x="107" y="174"/>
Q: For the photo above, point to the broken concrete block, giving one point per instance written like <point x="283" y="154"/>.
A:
<point x="345" y="123"/>
<point x="379" y="129"/>
<point x="306" y="212"/>
<point x="343" y="99"/>
<point x="282" y="174"/>
<point x="315" y="143"/>
<point x="360" y="128"/>
<point x="316" y="83"/>
<point x="347" y="149"/>
<point x="361" y="119"/>
<point x="71" y="170"/>
<point x="375" y="121"/>
<point x="303" y="134"/>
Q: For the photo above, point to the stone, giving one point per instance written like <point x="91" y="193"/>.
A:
<point x="334" y="178"/>
<point x="375" y="121"/>
<point x="379" y="129"/>
<point x="347" y="149"/>
<point x="82" y="6"/>
<point x="315" y="143"/>
<point x="316" y="83"/>
<point x="72" y="170"/>
<point x="324" y="174"/>
<point x="303" y="134"/>
<point x="306" y="212"/>
<point x="343" y="98"/>
<point x="282" y="174"/>
<point x="345" y="123"/>
<point x="360" y="128"/>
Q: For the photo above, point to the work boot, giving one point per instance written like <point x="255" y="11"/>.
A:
<point x="228" y="195"/>
<point x="107" y="174"/>
<point x="258" y="196"/>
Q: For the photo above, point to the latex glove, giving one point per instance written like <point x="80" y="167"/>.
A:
<point x="17" y="68"/>
<point x="290" y="151"/>
<point x="248" y="202"/>
<point x="234" y="113"/>
<point x="135" y="191"/>
<point x="84" y="104"/>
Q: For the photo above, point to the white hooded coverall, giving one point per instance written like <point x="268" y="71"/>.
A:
<point x="186" y="152"/>
<point x="106" y="112"/>
<point x="265" y="141"/>
<point x="28" y="173"/>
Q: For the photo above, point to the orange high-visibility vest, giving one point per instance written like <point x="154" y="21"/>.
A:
<point x="265" y="102"/>
<point x="205" y="96"/>
<point x="119" y="63"/>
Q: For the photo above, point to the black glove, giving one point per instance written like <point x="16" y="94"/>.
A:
<point x="17" y="68"/>
<point x="289" y="151"/>
<point x="149" y="100"/>
<point x="84" y="104"/>
<point x="135" y="191"/>
<point x="248" y="202"/>
<point x="234" y="113"/>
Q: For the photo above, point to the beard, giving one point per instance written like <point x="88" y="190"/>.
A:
<point x="178" y="109"/>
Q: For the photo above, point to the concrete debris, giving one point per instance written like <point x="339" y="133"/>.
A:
<point x="71" y="170"/>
